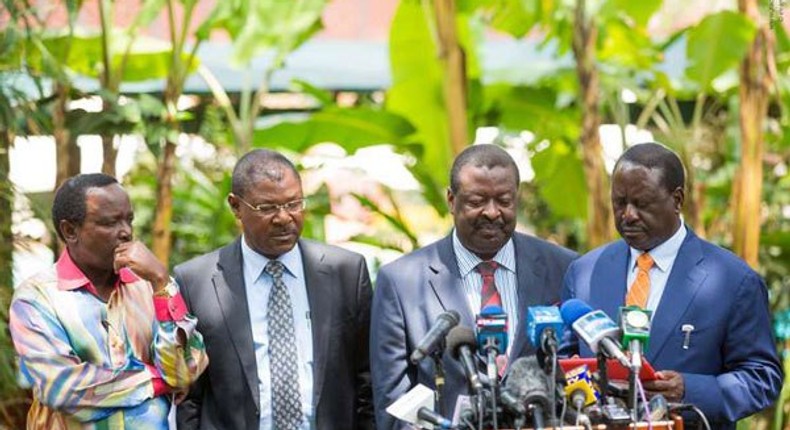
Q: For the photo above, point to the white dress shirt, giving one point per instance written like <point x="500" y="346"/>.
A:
<point x="258" y="285"/>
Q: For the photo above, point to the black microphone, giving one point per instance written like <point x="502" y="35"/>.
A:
<point x="460" y="344"/>
<point x="431" y="417"/>
<point x="435" y="335"/>
<point x="527" y="382"/>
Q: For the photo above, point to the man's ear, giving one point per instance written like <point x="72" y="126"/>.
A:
<point x="679" y="196"/>
<point x="69" y="230"/>
<point x="233" y="202"/>
<point x="450" y="199"/>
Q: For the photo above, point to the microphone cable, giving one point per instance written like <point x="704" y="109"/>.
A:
<point x="686" y="406"/>
<point x="641" y="391"/>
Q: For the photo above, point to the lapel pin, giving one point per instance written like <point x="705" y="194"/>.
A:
<point x="687" y="329"/>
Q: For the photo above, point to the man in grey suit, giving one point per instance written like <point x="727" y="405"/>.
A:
<point x="414" y="290"/>
<point x="285" y="320"/>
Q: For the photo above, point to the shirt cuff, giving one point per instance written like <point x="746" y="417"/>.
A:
<point x="170" y="308"/>
<point x="160" y="386"/>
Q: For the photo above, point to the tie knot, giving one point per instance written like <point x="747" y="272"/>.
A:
<point x="487" y="268"/>
<point x="644" y="261"/>
<point x="274" y="268"/>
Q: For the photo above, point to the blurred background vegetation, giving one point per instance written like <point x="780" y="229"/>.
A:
<point x="564" y="85"/>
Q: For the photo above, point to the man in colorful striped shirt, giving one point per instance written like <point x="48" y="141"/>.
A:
<point x="103" y="336"/>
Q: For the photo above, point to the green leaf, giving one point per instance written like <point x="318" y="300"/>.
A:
<point x="640" y="11"/>
<point x="560" y="178"/>
<point x="535" y="109"/>
<point x="349" y="128"/>
<point x="257" y="26"/>
<point x="626" y="46"/>
<point x="718" y="43"/>
<point x="322" y="96"/>
<point x="417" y="87"/>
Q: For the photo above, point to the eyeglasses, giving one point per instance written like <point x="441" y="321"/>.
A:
<point x="271" y="209"/>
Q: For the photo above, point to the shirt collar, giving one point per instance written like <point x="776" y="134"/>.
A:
<point x="257" y="262"/>
<point x="664" y="254"/>
<point x="467" y="260"/>
<point x="71" y="277"/>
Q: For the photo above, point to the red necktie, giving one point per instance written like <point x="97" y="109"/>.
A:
<point x="489" y="296"/>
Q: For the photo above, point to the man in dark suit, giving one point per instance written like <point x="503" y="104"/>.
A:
<point x="285" y="319"/>
<point x="448" y="275"/>
<point x="711" y="328"/>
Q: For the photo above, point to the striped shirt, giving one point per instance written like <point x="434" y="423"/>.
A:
<point x="504" y="278"/>
<point x="101" y="365"/>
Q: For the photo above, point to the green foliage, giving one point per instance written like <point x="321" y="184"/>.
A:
<point x="350" y="128"/>
<point x="710" y="58"/>
<point x="560" y="180"/>
<point x="417" y="86"/>
<point x="260" y="25"/>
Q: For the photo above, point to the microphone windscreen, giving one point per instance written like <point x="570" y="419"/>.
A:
<point x="574" y="309"/>
<point x="459" y="336"/>
<point x="528" y="382"/>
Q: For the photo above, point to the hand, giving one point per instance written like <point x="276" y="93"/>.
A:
<point x="669" y="384"/>
<point x="140" y="260"/>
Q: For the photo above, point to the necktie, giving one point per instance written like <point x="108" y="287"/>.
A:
<point x="286" y="400"/>
<point x="640" y="289"/>
<point x="489" y="296"/>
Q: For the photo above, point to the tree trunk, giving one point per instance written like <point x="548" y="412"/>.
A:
<point x="164" y="204"/>
<point x="67" y="152"/>
<point x="109" y="155"/>
<point x="755" y="85"/>
<point x="6" y="208"/>
<point x="599" y="212"/>
<point x="451" y="57"/>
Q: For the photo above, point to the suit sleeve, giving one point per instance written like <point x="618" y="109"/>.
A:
<point x="388" y="356"/>
<point x="753" y="376"/>
<point x="364" y="400"/>
<point x="188" y="411"/>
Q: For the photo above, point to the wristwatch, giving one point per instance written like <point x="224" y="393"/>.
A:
<point x="169" y="290"/>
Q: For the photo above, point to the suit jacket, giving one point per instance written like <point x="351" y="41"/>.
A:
<point x="339" y="293"/>
<point x="730" y="367"/>
<point x="412" y="291"/>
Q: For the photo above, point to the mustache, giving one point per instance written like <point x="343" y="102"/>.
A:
<point x="485" y="224"/>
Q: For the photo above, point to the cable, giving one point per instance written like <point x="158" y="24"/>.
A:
<point x="645" y="403"/>
<point x="676" y="406"/>
<point x="562" y="412"/>
<point x="553" y="386"/>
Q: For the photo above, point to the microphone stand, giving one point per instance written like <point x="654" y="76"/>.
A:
<point x="438" y="379"/>
<point x="493" y="377"/>
<point x="603" y="374"/>
<point x="636" y="365"/>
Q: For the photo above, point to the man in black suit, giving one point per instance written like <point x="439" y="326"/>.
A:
<point x="414" y="290"/>
<point x="285" y="320"/>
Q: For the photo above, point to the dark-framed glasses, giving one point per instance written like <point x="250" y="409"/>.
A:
<point x="270" y="209"/>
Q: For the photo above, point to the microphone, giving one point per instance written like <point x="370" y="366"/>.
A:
<point x="435" y="335"/>
<point x="460" y="344"/>
<point x="595" y="328"/>
<point x="544" y="327"/>
<point x="527" y="382"/>
<point x="492" y="330"/>
<point x="431" y="417"/>
<point x="635" y="325"/>
<point x="579" y="388"/>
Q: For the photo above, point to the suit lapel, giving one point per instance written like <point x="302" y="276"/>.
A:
<point x="319" y="295"/>
<point x="683" y="283"/>
<point x="232" y="297"/>
<point x="608" y="279"/>
<point x="530" y="278"/>
<point x="445" y="280"/>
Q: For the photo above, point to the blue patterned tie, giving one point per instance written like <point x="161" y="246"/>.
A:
<point x="286" y="401"/>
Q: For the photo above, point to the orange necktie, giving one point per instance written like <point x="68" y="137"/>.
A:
<point x="640" y="289"/>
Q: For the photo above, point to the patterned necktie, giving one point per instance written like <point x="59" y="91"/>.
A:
<point x="489" y="296"/>
<point x="286" y="400"/>
<point x="640" y="289"/>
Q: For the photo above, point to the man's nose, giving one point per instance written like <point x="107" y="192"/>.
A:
<point x="491" y="210"/>
<point x="125" y="233"/>
<point x="630" y="213"/>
